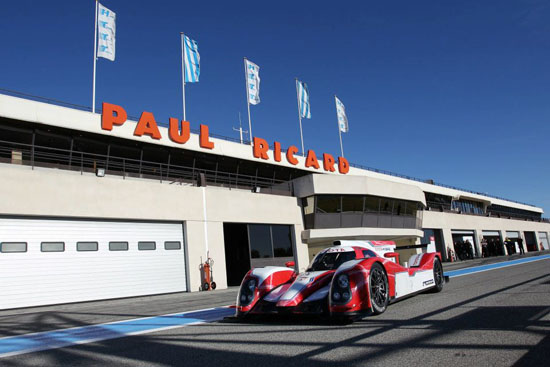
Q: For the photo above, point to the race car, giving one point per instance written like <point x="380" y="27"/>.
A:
<point x="349" y="280"/>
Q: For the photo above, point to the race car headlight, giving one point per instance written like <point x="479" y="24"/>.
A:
<point x="343" y="281"/>
<point x="247" y="292"/>
<point x="251" y="284"/>
<point x="341" y="292"/>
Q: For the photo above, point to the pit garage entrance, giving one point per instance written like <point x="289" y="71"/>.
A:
<point x="51" y="261"/>
<point x="464" y="244"/>
<point x="543" y="237"/>
<point x="255" y="245"/>
<point x="491" y="244"/>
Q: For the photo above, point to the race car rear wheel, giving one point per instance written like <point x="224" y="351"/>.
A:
<point x="378" y="289"/>
<point x="439" y="279"/>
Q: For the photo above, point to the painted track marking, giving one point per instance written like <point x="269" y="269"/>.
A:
<point x="481" y="268"/>
<point x="27" y="343"/>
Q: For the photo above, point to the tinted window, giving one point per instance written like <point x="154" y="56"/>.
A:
<point x="118" y="246"/>
<point x="331" y="260"/>
<point x="147" y="245"/>
<point x="52" y="246"/>
<point x="13" y="247"/>
<point x="386" y="206"/>
<point x="372" y="204"/>
<point x="328" y="204"/>
<point x="282" y="241"/>
<point x="260" y="241"/>
<point x="352" y="203"/>
<point x="172" y="245"/>
<point x="86" y="246"/>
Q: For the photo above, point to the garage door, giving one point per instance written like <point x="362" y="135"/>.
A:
<point x="58" y="261"/>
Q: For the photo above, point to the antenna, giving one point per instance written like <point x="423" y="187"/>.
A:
<point x="240" y="129"/>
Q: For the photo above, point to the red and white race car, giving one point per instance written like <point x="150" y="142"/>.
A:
<point x="348" y="280"/>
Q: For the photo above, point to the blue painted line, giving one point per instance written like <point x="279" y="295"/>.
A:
<point x="14" y="345"/>
<point x="477" y="269"/>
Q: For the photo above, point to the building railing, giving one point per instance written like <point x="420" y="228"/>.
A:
<point x="226" y="138"/>
<point x="41" y="156"/>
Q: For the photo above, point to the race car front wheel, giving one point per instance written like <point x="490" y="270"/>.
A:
<point x="378" y="289"/>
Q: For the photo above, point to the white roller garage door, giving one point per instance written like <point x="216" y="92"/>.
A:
<point x="58" y="261"/>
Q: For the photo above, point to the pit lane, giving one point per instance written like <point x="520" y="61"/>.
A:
<point x="496" y="317"/>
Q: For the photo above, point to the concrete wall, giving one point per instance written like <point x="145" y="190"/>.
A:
<point x="51" y="193"/>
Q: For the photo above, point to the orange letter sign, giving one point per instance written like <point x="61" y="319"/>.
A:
<point x="343" y="165"/>
<point x="204" y="140"/>
<point x="290" y="155"/>
<point x="174" y="132"/>
<point x="112" y="115"/>
<point x="147" y="126"/>
<point x="311" y="160"/>
<point x="277" y="151"/>
<point x="260" y="148"/>
<point x="328" y="162"/>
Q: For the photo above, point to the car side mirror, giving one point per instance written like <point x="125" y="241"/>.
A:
<point x="290" y="264"/>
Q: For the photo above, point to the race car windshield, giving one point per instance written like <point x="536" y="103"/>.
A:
<point x="330" y="260"/>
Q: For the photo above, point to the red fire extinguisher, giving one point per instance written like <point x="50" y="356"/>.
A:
<point x="207" y="273"/>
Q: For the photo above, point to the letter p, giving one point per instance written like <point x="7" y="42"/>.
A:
<point x="112" y="115"/>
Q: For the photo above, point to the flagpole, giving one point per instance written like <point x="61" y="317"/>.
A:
<point x="341" y="146"/>
<point x="95" y="55"/>
<point x="300" y="118"/>
<point x="248" y="103"/>
<point x="339" y="130"/>
<point x="183" y="73"/>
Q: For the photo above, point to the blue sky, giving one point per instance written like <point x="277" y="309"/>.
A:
<point x="455" y="91"/>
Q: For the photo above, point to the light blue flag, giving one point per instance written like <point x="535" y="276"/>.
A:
<point x="303" y="99"/>
<point x="192" y="61"/>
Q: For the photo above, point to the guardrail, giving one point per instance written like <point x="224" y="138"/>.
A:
<point x="247" y="142"/>
<point x="41" y="156"/>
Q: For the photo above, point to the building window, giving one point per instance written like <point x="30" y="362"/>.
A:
<point x="172" y="245"/>
<point x="267" y="241"/>
<point x="386" y="206"/>
<point x="11" y="247"/>
<point x="86" y="246"/>
<point x="328" y="204"/>
<point x="372" y="204"/>
<point x="260" y="241"/>
<point x="52" y="246"/>
<point x="118" y="246"/>
<point x="352" y="203"/>
<point x="282" y="241"/>
<point x="147" y="245"/>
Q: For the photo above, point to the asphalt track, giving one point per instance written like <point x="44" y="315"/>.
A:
<point x="489" y="317"/>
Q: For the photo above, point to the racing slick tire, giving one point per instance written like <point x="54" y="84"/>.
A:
<point x="378" y="289"/>
<point x="439" y="279"/>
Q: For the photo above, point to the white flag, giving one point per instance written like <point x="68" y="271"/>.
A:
<point x="253" y="82"/>
<point x="342" y="118"/>
<point x="106" y="31"/>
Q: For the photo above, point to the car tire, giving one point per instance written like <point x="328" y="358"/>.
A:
<point x="378" y="289"/>
<point x="439" y="279"/>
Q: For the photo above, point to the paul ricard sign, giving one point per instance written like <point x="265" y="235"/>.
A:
<point x="114" y="115"/>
